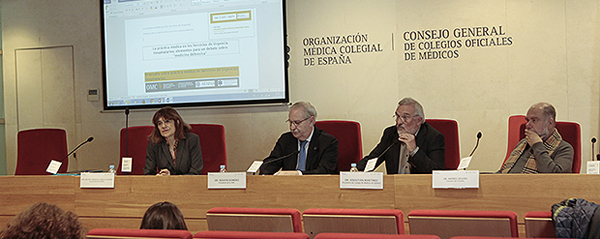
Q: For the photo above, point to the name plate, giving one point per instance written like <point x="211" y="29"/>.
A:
<point x="455" y="179"/>
<point x="593" y="167"/>
<point x="226" y="180"/>
<point x="97" y="180"/>
<point x="361" y="180"/>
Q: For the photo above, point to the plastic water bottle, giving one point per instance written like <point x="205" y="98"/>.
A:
<point x="111" y="169"/>
<point x="353" y="168"/>
<point x="222" y="168"/>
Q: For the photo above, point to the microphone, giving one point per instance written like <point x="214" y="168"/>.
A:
<point x="593" y="142"/>
<point x="476" y="145"/>
<point x="280" y="158"/>
<point x="388" y="148"/>
<point x="89" y="139"/>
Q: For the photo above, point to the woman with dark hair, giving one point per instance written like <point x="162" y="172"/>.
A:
<point x="44" y="220"/>
<point x="163" y="215"/>
<point x="172" y="149"/>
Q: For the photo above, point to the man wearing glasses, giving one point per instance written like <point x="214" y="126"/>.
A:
<point x="410" y="146"/>
<point x="305" y="149"/>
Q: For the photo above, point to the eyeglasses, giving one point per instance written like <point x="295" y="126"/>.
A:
<point x="297" y="122"/>
<point x="404" y="117"/>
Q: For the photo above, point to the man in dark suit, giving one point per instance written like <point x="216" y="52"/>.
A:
<point x="410" y="146"/>
<point x="305" y="149"/>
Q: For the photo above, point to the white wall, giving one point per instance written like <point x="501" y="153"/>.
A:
<point x="553" y="58"/>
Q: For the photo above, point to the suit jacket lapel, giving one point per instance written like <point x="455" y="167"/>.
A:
<point x="312" y="148"/>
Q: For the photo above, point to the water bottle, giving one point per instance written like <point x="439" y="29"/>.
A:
<point x="222" y="168"/>
<point x="353" y="168"/>
<point x="111" y="169"/>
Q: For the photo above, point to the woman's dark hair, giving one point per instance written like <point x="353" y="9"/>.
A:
<point x="168" y="113"/>
<point x="163" y="215"/>
<point x="45" y="221"/>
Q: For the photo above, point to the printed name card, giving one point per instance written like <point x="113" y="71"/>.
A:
<point x="53" y="167"/>
<point x="593" y="167"/>
<point x="227" y="180"/>
<point x="371" y="163"/>
<point x="457" y="179"/>
<point x="464" y="163"/>
<point x="254" y="167"/>
<point x="361" y="180"/>
<point x="97" y="180"/>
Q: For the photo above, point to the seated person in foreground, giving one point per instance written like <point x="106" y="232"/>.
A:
<point x="542" y="150"/>
<point x="172" y="149"/>
<point x="44" y="220"/>
<point x="163" y="215"/>
<point x="412" y="145"/>
<point x="305" y="148"/>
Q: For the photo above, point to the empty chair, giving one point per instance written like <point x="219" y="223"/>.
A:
<point x="449" y="223"/>
<point x="539" y="224"/>
<point x="254" y="219"/>
<point x="378" y="221"/>
<point x="37" y="147"/>
<point x="448" y="128"/>
<point x="133" y="144"/>
<point x="349" y="137"/>
<point x="249" y="235"/>
<point x="212" y="142"/>
<point x="114" y="233"/>
<point x="476" y="237"/>
<point x="330" y="235"/>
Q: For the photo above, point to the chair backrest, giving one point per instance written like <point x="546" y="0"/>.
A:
<point x="212" y="142"/>
<point x="450" y="223"/>
<point x="37" y="147"/>
<point x="514" y="132"/>
<point x="448" y="128"/>
<point x="330" y="235"/>
<point x="349" y="137"/>
<point x="254" y="219"/>
<point x="570" y="132"/>
<point x="378" y="221"/>
<point x="249" y="235"/>
<point x="539" y="224"/>
<point x="136" y="148"/>
<point x="114" y="233"/>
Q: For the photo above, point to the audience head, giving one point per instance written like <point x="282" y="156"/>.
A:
<point x="163" y="215"/>
<point x="302" y="118"/>
<point x="168" y="123"/>
<point x="409" y="116"/>
<point x="44" y="221"/>
<point x="541" y="119"/>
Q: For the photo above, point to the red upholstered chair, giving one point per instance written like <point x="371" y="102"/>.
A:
<point x="212" y="142"/>
<point x="328" y="235"/>
<point x="571" y="132"/>
<point x="114" y="233"/>
<point x="450" y="223"/>
<point x="377" y="221"/>
<point x="37" y="147"/>
<point x="138" y="141"/>
<point x="254" y="219"/>
<point x="249" y="235"/>
<point x="514" y="132"/>
<point x="349" y="137"/>
<point x="448" y="128"/>
<point x="475" y="237"/>
<point x="539" y="224"/>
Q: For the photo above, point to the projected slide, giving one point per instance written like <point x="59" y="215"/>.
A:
<point x="186" y="52"/>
